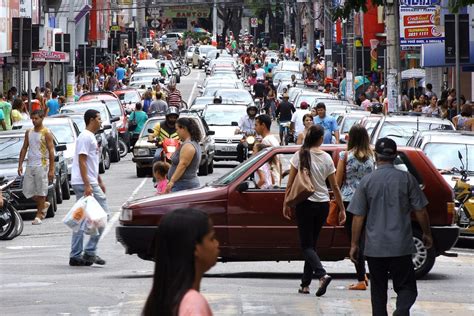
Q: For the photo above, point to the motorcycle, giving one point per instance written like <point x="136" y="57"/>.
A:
<point x="463" y="191"/>
<point x="11" y="223"/>
<point x="169" y="146"/>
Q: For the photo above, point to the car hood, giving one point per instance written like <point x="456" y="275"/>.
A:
<point x="224" y="131"/>
<point x="9" y="168"/>
<point x="143" y="143"/>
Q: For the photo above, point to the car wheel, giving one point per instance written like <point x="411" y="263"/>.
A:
<point x="102" y="164"/>
<point x="59" y="190"/>
<point x="123" y="148"/>
<point x="423" y="259"/>
<point x="203" y="171"/>
<point x="194" y="66"/>
<point x="210" y="168"/>
<point x="200" y="66"/>
<point x="19" y="222"/>
<point x="66" y="189"/>
<point x="52" y="204"/>
<point x="178" y="79"/>
<point x="141" y="172"/>
<point x="106" y="159"/>
<point x="115" y="153"/>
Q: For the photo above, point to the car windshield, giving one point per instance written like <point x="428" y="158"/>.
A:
<point x="206" y="49"/>
<point x="238" y="96"/>
<point x="285" y="76"/>
<point x="149" y="125"/>
<point x="10" y="147"/>
<point x="79" y="120"/>
<point x="63" y="133"/>
<point x="401" y="132"/>
<point x="115" y="107"/>
<point x="146" y="70"/>
<point x="445" y="155"/>
<point x="222" y="116"/>
<point x="349" y="122"/>
<point x="239" y="170"/>
<point x="308" y="98"/>
<point x="211" y="90"/>
<point x="130" y="96"/>
<point x="148" y="77"/>
<point x="82" y="108"/>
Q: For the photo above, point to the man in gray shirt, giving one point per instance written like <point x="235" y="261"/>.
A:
<point x="385" y="199"/>
<point x="159" y="105"/>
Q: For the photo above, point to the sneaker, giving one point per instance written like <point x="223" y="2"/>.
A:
<point x="94" y="259"/>
<point x="323" y="284"/>
<point x="45" y="209"/>
<point x="79" y="262"/>
<point x="37" y="221"/>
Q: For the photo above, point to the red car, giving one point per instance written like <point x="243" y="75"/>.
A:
<point x="249" y="221"/>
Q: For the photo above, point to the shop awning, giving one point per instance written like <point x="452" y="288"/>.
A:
<point x="50" y="56"/>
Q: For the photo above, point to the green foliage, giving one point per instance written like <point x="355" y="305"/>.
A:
<point x="273" y="46"/>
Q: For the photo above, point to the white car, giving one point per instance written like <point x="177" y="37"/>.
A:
<point x="200" y="53"/>
<point x="189" y="54"/>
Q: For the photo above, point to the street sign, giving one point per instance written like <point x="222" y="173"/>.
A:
<point x="155" y="23"/>
<point x="115" y="28"/>
<point x="253" y="22"/>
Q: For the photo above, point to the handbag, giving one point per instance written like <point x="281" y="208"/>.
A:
<point x="132" y="124"/>
<point x="333" y="215"/>
<point x="301" y="189"/>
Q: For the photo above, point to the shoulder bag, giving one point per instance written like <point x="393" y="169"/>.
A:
<point x="301" y="189"/>
<point x="333" y="215"/>
<point x="132" y="124"/>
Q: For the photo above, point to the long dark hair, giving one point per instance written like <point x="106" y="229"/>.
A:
<point x="176" y="238"/>
<point x="359" y="143"/>
<point x="313" y="136"/>
<point x="191" y="126"/>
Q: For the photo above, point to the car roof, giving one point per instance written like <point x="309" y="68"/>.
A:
<point x="457" y="137"/>
<point x="100" y="95"/>
<point x="227" y="106"/>
<point x="408" y="118"/>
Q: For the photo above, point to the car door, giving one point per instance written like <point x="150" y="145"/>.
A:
<point x="255" y="217"/>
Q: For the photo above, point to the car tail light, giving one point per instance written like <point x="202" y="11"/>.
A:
<point x="124" y="126"/>
<point x="126" y="214"/>
<point x="451" y="212"/>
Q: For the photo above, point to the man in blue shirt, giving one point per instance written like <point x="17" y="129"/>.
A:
<point x="120" y="72"/>
<point x="328" y="122"/>
<point x="52" y="106"/>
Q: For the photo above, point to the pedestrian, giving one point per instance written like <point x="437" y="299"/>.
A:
<point x="39" y="171"/>
<point x="158" y="106"/>
<point x="464" y="120"/>
<point x="365" y="104"/>
<point x="85" y="181"/>
<point x="186" y="160"/>
<point x="52" y="105"/>
<point x="6" y="108"/>
<point x="264" y="179"/>
<point x="174" y="96"/>
<point x="160" y="173"/>
<point x="140" y="119"/>
<point x="263" y="125"/>
<point x="328" y="122"/>
<point x="307" y="123"/>
<point x="2" y="121"/>
<point x="311" y="214"/>
<point x="354" y="163"/>
<point x="186" y="248"/>
<point x="384" y="200"/>
<point x="432" y="108"/>
<point x="19" y="112"/>
<point x="147" y="99"/>
<point x="284" y="112"/>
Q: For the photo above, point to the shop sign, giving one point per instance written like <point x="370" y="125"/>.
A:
<point x="50" y="56"/>
<point x="420" y="22"/>
<point x="186" y="11"/>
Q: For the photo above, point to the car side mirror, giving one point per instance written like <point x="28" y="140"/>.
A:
<point x="210" y="133"/>
<point x="107" y="126"/>
<point x="115" y="119"/>
<point x="234" y="124"/>
<point x="150" y="130"/>
<point x="128" y="111"/>
<point x="242" y="187"/>
<point x="60" y="148"/>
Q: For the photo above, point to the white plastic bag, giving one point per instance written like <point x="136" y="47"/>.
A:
<point x="76" y="214"/>
<point x="96" y="217"/>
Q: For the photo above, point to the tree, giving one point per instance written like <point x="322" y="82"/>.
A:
<point x="345" y="10"/>
<point x="231" y="15"/>
<point x="275" y="12"/>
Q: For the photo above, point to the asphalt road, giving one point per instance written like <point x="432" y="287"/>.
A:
<point x="35" y="278"/>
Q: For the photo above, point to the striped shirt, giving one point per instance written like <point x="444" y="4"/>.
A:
<point x="174" y="98"/>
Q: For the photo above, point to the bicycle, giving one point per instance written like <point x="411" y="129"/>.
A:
<point x="285" y="135"/>
<point x="11" y="223"/>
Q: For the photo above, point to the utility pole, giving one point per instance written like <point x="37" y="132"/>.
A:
<point x="310" y="30"/>
<point x="328" y="34"/>
<point x="393" y="54"/>
<point x="348" y="37"/>
<point x="71" y="75"/>
<point x="297" y="7"/>
<point x="458" y="68"/>
<point x="214" y="23"/>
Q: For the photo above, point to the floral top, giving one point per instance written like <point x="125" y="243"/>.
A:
<point x="355" y="171"/>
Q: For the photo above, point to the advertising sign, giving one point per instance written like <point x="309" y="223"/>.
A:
<point x="420" y="22"/>
<point x="51" y="56"/>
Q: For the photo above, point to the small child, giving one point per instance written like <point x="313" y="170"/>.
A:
<point x="160" y="170"/>
<point x="265" y="178"/>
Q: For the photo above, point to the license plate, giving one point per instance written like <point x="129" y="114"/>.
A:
<point x="228" y="148"/>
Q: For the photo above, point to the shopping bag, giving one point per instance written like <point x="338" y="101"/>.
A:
<point x="96" y="217"/>
<point x="76" y="214"/>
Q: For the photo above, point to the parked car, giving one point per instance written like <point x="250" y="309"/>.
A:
<point x="238" y="96"/>
<point x="144" y="151"/>
<point x="199" y="55"/>
<point x="116" y="109"/>
<point x="312" y="97"/>
<point x="107" y="120"/>
<point x="401" y="127"/>
<point x="346" y="121"/>
<point x="11" y="143"/>
<point x="129" y="97"/>
<point x="249" y="223"/>
<point x="189" y="54"/>
<point x="223" y="119"/>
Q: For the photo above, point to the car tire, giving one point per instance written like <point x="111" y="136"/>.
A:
<point x="423" y="258"/>
<point x="200" y="66"/>
<point x="194" y="66"/>
<point x="106" y="159"/>
<point x="141" y="172"/>
<point x="123" y="148"/>
<point x="53" y="206"/>
<point x="59" y="190"/>
<point x="115" y="153"/>
<point x="66" y="189"/>
<point x="102" y="164"/>
<point x="178" y="79"/>
<point x="203" y="170"/>
<point x="210" y="168"/>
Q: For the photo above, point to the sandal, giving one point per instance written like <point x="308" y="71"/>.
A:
<point x="303" y="290"/>
<point x="359" y="286"/>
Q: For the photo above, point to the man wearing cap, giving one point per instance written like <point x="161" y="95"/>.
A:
<point x="284" y="112"/>
<point x="297" y="125"/>
<point x="385" y="199"/>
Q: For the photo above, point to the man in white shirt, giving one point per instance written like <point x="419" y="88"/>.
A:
<point x="85" y="181"/>
<point x="260" y="73"/>
<point x="263" y="124"/>
<point x="297" y="119"/>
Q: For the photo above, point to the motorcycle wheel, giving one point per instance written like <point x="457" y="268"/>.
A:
<point x="185" y="70"/>
<point x="19" y="223"/>
<point x="123" y="148"/>
<point x="7" y="223"/>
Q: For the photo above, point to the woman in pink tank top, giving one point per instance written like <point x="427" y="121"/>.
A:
<point x="186" y="247"/>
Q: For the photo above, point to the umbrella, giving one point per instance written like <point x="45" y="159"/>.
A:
<point x="359" y="82"/>
<point x="414" y="73"/>
<point x="199" y="30"/>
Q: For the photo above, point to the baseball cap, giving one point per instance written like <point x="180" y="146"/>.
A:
<point x="386" y="148"/>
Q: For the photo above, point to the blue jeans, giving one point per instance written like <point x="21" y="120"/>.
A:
<point x="77" y="243"/>
<point x="185" y="185"/>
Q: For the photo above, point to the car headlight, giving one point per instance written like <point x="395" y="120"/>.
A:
<point x="126" y="214"/>
<point x="171" y="149"/>
<point x="250" y="140"/>
<point x="141" y="152"/>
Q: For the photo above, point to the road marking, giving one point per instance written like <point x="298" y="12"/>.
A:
<point x="29" y="247"/>
<point x="116" y="216"/>
<point x="192" y="93"/>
